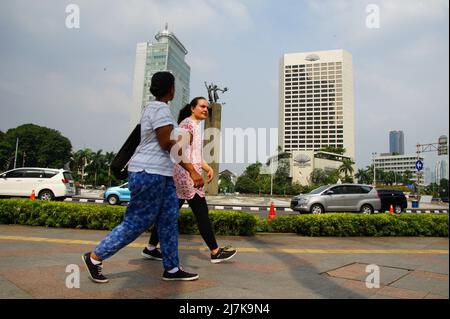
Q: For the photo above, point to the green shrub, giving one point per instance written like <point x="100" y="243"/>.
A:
<point x="351" y="224"/>
<point x="231" y="223"/>
<point x="102" y="217"/>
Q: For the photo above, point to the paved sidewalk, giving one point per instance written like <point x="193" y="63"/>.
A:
<point x="33" y="263"/>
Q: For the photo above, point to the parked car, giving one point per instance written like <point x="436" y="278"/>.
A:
<point x="117" y="194"/>
<point x="47" y="183"/>
<point x="338" y="198"/>
<point x="396" y="198"/>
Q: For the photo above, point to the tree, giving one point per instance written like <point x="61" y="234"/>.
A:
<point x="95" y="166"/>
<point x="324" y="176"/>
<point x="443" y="188"/>
<point x="363" y="176"/>
<point x="318" y="176"/>
<point x="407" y="175"/>
<point x="252" y="171"/>
<point x="389" y="177"/>
<point x="333" y="176"/>
<point x="225" y="184"/>
<point x="38" y="147"/>
<point x="282" y="180"/>
<point x="245" y="184"/>
<point x="347" y="169"/>
<point x="109" y="156"/>
<point x="79" y="161"/>
<point x="6" y="153"/>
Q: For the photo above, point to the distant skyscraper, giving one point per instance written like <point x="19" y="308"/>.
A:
<point x="441" y="170"/>
<point x="428" y="176"/>
<point x="316" y="101"/>
<point x="167" y="54"/>
<point x="397" y="142"/>
<point x="437" y="172"/>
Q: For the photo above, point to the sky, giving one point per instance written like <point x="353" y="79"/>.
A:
<point x="79" y="80"/>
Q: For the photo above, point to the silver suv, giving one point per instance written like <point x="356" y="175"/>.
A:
<point x="338" y="198"/>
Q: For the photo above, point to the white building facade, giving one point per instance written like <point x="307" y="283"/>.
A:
<point x="399" y="164"/>
<point x="441" y="171"/>
<point x="316" y="104"/>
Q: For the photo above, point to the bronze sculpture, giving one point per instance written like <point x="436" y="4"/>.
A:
<point x="212" y="92"/>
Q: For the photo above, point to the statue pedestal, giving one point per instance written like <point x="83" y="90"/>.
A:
<point x="213" y="121"/>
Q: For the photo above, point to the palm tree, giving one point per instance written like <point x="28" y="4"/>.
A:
<point x="363" y="176"/>
<point x="96" y="164"/>
<point x="108" y="159"/>
<point x="389" y="177"/>
<point x="347" y="168"/>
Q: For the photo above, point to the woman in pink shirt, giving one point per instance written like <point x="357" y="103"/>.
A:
<point x="189" y="119"/>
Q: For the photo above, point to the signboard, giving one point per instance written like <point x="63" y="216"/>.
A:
<point x="419" y="165"/>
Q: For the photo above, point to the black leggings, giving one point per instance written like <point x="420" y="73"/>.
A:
<point x="200" y="210"/>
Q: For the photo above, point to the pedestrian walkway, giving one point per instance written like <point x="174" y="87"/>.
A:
<point x="34" y="261"/>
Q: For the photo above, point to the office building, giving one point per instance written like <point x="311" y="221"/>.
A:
<point x="399" y="164"/>
<point x="316" y="103"/>
<point x="167" y="54"/>
<point x="441" y="171"/>
<point x="428" y="176"/>
<point x="396" y="143"/>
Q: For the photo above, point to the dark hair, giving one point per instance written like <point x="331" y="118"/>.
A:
<point x="186" y="111"/>
<point x="161" y="84"/>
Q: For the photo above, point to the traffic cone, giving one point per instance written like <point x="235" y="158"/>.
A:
<point x="272" y="211"/>
<point x="391" y="209"/>
<point x="33" y="195"/>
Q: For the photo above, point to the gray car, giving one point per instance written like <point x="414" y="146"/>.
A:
<point x="338" y="198"/>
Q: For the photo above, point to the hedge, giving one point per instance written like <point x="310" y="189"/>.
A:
<point x="106" y="217"/>
<point x="355" y="224"/>
<point x="232" y="223"/>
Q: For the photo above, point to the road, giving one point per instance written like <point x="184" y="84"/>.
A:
<point x="253" y="204"/>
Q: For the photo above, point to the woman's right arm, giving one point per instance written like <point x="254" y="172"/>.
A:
<point x="163" y="134"/>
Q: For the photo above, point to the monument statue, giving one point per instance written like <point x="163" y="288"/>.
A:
<point x="212" y="92"/>
<point x="214" y="121"/>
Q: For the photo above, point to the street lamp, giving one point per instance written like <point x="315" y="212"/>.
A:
<point x="374" y="170"/>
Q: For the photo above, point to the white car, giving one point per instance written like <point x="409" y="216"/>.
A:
<point x="47" y="183"/>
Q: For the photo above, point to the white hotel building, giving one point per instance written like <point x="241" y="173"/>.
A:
<point x="316" y="106"/>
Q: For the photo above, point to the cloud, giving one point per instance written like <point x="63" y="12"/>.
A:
<point x="347" y="19"/>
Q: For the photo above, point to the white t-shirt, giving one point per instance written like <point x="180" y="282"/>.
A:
<point x="149" y="155"/>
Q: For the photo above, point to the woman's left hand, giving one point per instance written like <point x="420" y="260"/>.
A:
<point x="210" y="175"/>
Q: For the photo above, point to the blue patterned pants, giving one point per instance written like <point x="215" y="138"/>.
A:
<point x="153" y="201"/>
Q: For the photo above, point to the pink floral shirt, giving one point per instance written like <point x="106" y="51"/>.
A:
<point x="183" y="181"/>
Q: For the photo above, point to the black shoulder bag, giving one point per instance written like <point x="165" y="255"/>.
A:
<point x="119" y="165"/>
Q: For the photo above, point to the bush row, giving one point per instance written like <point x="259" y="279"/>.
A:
<point x="232" y="223"/>
<point x="105" y="217"/>
<point x="354" y="224"/>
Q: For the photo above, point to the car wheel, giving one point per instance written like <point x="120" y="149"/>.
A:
<point x="46" y="195"/>
<point x="367" y="209"/>
<point x="398" y="209"/>
<point x="113" y="200"/>
<point x="317" y="209"/>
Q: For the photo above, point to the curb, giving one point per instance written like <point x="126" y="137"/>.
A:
<point x="85" y="200"/>
<point x="256" y="208"/>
